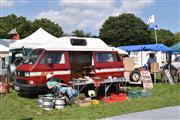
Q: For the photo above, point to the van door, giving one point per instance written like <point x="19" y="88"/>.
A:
<point x="56" y="63"/>
<point x="108" y="64"/>
<point x="79" y="62"/>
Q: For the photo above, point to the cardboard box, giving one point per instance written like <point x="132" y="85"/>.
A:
<point x="128" y="63"/>
<point x="154" y="67"/>
<point x="83" y="103"/>
<point x="127" y="75"/>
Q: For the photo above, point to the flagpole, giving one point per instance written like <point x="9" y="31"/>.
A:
<point x="155" y="36"/>
<point x="155" y="31"/>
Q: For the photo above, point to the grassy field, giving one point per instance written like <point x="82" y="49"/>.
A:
<point x="15" y="107"/>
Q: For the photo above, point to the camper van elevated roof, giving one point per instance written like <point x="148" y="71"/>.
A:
<point x="77" y="44"/>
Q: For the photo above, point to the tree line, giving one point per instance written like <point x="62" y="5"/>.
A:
<point x="125" y="29"/>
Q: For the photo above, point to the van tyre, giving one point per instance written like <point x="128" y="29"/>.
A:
<point x="135" y="76"/>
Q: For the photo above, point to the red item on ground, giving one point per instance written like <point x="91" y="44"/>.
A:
<point x="4" y="88"/>
<point x="115" y="98"/>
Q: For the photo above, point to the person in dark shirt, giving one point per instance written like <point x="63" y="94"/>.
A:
<point x="151" y="59"/>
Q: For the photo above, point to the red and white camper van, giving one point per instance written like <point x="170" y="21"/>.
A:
<point x="67" y="58"/>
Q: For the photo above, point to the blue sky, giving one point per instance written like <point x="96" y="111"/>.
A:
<point x="89" y="15"/>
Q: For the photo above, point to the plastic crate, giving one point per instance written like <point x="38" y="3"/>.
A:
<point x="138" y="93"/>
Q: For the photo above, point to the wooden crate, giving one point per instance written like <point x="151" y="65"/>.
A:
<point x="154" y="67"/>
<point x="128" y="63"/>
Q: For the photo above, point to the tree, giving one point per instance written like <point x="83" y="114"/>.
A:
<point x="47" y="25"/>
<point x="177" y="36"/>
<point x="124" y="29"/>
<point x="164" y="36"/>
<point x="10" y="22"/>
<point x="25" y="27"/>
<point x="80" y="33"/>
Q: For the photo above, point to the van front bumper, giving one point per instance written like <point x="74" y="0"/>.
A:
<point x="30" y="89"/>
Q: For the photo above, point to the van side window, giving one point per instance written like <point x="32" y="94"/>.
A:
<point x="105" y="57"/>
<point x="53" y="57"/>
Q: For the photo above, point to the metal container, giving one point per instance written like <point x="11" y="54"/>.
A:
<point x="47" y="105"/>
<point x="60" y="103"/>
<point x="46" y="102"/>
<point x="39" y="102"/>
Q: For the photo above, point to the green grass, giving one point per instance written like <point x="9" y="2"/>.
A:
<point x="14" y="107"/>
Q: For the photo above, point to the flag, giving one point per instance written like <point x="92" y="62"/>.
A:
<point x="153" y="27"/>
<point x="13" y="31"/>
<point x="151" y="20"/>
<point x="151" y="23"/>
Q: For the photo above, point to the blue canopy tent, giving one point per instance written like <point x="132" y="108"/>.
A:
<point x="148" y="47"/>
<point x="176" y="48"/>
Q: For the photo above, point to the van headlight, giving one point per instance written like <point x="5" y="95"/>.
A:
<point x="31" y="82"/>
<point x="27" y="74"/>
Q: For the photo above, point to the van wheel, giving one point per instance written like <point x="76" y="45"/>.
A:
<point x="134" y="76"/>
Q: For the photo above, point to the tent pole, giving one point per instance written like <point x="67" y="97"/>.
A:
<point x="154" y="78"/>
<point x="141" y="59"/>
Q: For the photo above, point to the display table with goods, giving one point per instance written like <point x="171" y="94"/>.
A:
<point x="81" y="83"/>
<point x="119" y="82"/>
<point x="103" y="84"/>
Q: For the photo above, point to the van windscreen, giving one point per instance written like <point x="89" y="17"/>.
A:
<point x="53" y="57"/>
<point x="32" y="58"/>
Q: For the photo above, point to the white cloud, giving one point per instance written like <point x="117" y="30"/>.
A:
<point x="98" y="4"/>
<point x="11" y="3"/>
<point x="6" y="3"/>
<point x="135" y="5"/>
<point x="89" y="15"/>
<point x="61" y="17"/>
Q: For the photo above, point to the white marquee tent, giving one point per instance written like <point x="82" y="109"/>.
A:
<point x="4" y="48"/>
<point x="37" y="38"/>
<point x="3" y="51"/>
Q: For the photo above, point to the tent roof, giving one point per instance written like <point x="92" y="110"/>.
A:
<point x="3" y="48"/>
<point x="148" y="47"/>
<point x="176" y="46"/>
<point x="37" y="38"/>
<point x="120" y="51"/>
<point x="6" y="42"/>
<point x="64" y="43"/>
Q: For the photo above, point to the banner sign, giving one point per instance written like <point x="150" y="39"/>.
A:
<point x="146" y="79"/>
